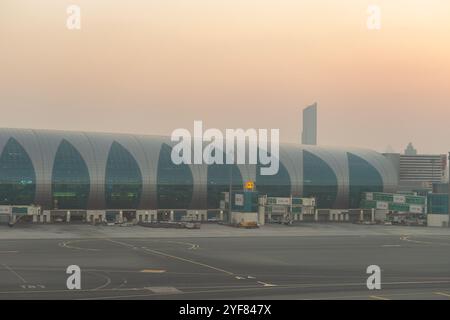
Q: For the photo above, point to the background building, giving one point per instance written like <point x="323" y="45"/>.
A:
<point x="420" y="171"/>
<point x="77" y="170"/>
<point x="309" y="133"/>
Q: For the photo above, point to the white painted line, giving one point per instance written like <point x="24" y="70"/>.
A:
<point x="65" y="244"/>
<point x="14" y="273"/>
<point x="391" y="245"/>
<point x="442" y="294"/>
<point x="266" y="284"/>
<point x="9" y="251"/>
<point x="107" y="283"/>
<point x="175" y="257"/>
<point x="406" y="238"/>
<point x="378" y="298"/>
<point x="192" y="246"/>
<point x="122" y="284"/>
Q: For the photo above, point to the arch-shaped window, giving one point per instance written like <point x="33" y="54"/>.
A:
<point x="123" y="179"/>
<point x="70" y="178"/>
<point x="319" y="180"/>
<point x="17" y="175"/>
<point x="277" y="185"/>
<point x="175" y="182"/>
<point x="363" y="177"/>
<point x="219" y="181"/>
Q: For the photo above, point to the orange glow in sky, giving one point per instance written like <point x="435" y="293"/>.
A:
<point x="152" y="66"/>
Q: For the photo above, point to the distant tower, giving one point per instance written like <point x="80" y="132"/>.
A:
<point x="309" y="134"/>
<point x="410" y="151"/>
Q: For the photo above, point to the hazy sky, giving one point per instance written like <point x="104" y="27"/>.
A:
<point x="151" y="66"/>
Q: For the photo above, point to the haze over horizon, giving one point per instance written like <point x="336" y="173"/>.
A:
<point x="150" y="67"/>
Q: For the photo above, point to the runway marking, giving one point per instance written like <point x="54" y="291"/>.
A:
<point x="65" y="245"/>
<point x="175" y="257"/>
<point x="181" y="292"/>
<point x="188" y="260"/>
<point x="406" y="238"/>
<point x="442" y="294"/>
<point x="192" y="246"/>
<point x="266" y="284"/>
<point x="14" y="273"/>
<point x="9" y="251"/>
<point x="223" y="289"/>
<point x="164" y="290"/>
<point x="32" y="286"/>
<point x="363" y="296"/>
<point x="378" y="298"/>
<point x="107" y="283"/>
<point x="391" y="245"/>
<point x="124" y="282"/>
<point x="110" y="271"/>
<point x="152" y="271"/>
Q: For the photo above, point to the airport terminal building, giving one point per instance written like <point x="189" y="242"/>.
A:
<point x="101" y="171"/>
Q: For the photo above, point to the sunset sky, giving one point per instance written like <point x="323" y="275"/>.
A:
<point x="151" y="66"/>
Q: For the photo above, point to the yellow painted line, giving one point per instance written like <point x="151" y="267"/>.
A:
<point x="153" y="271"/>
<point x="442" y="294"/>
<point x="378" y="298"/>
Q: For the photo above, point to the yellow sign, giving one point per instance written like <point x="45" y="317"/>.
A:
<point x="249" y="185"/>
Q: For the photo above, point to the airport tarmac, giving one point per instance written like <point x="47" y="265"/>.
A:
<point x="316" y="261"/>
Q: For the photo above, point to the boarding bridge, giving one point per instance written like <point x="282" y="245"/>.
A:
<point x="286" y="209"/>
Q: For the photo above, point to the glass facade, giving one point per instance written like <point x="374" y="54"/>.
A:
<point x="17" y="175"/>
<point x="319" y="181"/>
<point x="437" y="203"/>
<point x="175" y="182"/>
<point x="70" y="182"/>
<point x="70" y="179"/>
<point x="219" y="181"/>
<point x="363" y="177"/>
<point x="277" y="185"/>
<point x="123" y="179"/>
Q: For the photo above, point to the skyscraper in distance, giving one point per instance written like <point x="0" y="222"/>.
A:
<point x="309" y="133"/>
<point x="410" y="150"/>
